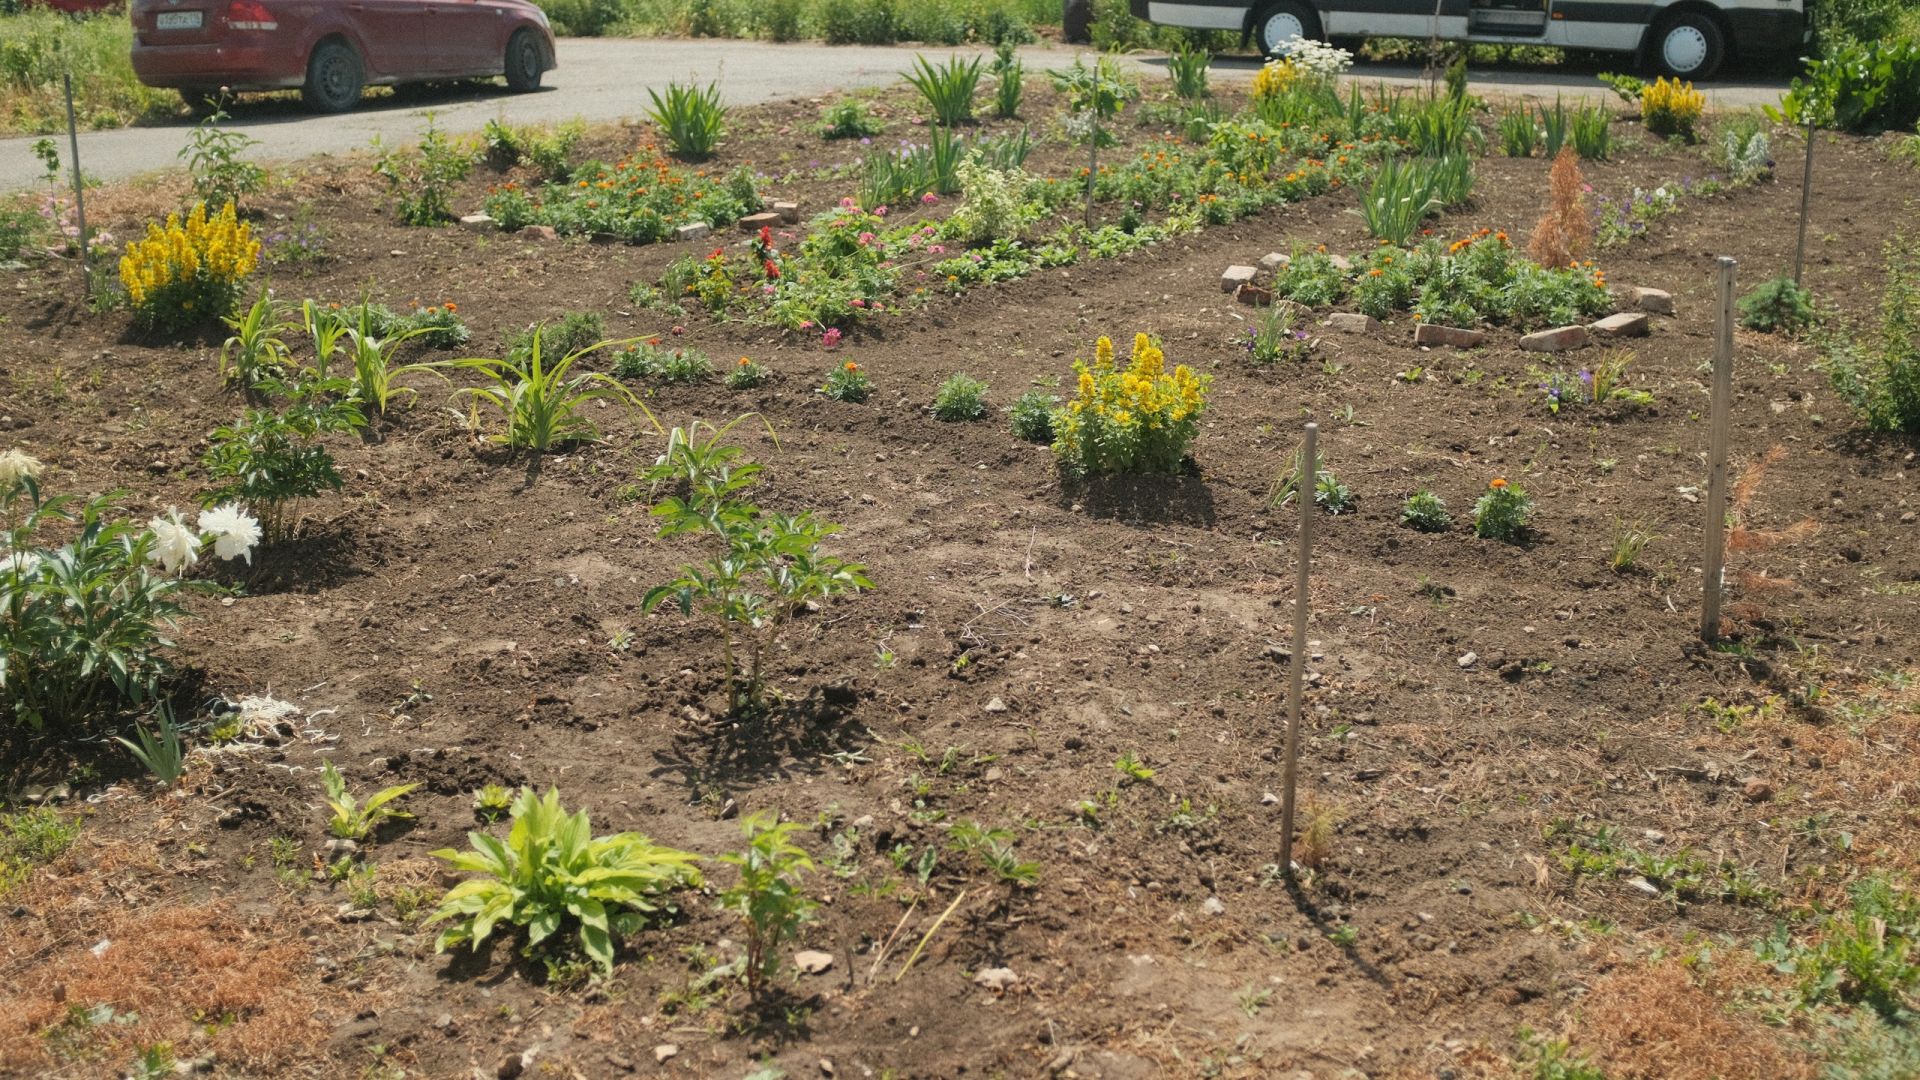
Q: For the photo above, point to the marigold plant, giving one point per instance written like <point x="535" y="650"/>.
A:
<point x="189" y="272"/>
<point x="1670" y="107"/>
<point x="1132" y="420"/>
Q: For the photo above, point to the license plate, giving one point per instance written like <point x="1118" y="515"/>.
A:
<point x="178" y="20"/>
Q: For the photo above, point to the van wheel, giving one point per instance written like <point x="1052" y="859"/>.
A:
<point x="524" y="62"/>
<point x="334" y="78"/>
<point x="1688" y="46"/>
<point x="1277" y="22"/>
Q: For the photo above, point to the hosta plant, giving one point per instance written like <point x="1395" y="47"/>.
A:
<point x="351" y="819"/>
<point x="1137" y="419"/>
<point x="551" y="874"/>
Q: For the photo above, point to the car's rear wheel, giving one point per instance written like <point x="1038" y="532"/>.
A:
<point x="335" y="77"/>
<point x="525" y="65"/>
<point x="1277" y="22"/>
<point x="1688" y="46"/>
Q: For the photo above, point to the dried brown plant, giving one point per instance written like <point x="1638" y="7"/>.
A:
<point x="1564" y="233"/>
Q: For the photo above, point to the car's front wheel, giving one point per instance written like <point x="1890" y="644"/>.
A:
<point x="525" y="65"/>
<point x="335" y="77"/>
<point x="1688" y="46"/>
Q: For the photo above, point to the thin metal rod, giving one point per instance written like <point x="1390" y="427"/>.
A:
<point x="1721" y="411"/>
<point x="79" y="194"/>
<point x="1806" y="196"/>
<point x="1303" y="493"/>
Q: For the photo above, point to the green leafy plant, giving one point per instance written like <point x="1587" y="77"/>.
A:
<point x="1877" y="372"/>
<point x="994" y="848"/>
<point x="692" y="120"/>
<point x="1503" y="512"/>
<point x="1778" y="305"/>
<point x="552" y="873"/>
<point x="1629" y="540"/>
<point x="1404" y="192"/>
<point x="572" y="332"/>
<point x="1187" y="69"/>
<point x="1275" y="336"/>
<point x="547" y="150"/>
<point x="1518" y="133"/>
<point x="1627" y="87"/>
<point x="768" y="896"/>
<point x="544" y="405"/>
<point x="33" y="837"/>
<point x="421" y="183"/>
<point x="1008" y="76"/>
<point x="948" y="88"/>
<point x="352" y="819"/>
<point x="213" y="161"/>
<point x="492" y="800"/>
<point x="1031" y="416"/>
<point x="1554" y="124"/>
<point x="1592" y="133"/>
<point x="847" y="382"/>
<point x="648" y="360"/>
<point x="960" y="397"/>
<point x="1868" y="953"/>
<point x="746" y="374"/>
<point x="1426" y="512"/>
<point x="1137" y="419"/>
<point x="376" y="378"/>
<point x="848" y="120"/>
<point x="269" y="460"/>
<point x="1132" y="768"/>
<point x="255" y="351"/>
<point x="159" y="751"/>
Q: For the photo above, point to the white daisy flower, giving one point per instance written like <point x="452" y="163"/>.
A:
<point x="235" y="532"/>
<point x="175" y="547"/>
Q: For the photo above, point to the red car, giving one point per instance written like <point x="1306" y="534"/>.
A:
<point x="330" y="49"/>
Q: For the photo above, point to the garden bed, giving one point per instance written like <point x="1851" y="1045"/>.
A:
<point x="460" y="616"/>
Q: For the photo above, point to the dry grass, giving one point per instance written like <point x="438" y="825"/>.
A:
<point x="1654" y="1023"/>
<point x="197" y="976"/>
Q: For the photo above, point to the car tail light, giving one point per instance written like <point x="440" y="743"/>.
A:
<point x="250" y="15"/>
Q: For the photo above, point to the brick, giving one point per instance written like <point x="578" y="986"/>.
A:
<point x="1625" y="324"/>
<point x="1435" y="334"/>
<point x="789" y="212"/>
<point x="1253" y="295"/>
<point x="1658" y="301"/>
<point x="477" y="222"/>
<point x="1235" y="277"/>
<point x="539" y="232"/>
<point x="1273" y="262"/>
<point x="694" y="230"/>
<point x="1558" y="339"/>
<point x="1348" y="322"/>
<point x="756" y="222"/>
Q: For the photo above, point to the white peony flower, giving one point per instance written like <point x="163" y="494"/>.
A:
<point x="17" y="465"/>
<point x="175" y="547"/>
<point x="235" y="532"/>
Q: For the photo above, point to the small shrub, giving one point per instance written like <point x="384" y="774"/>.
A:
<point x="572" y="332"/>
<point x="848" y="382"/>
<point x="552" y="873"/>
<point x="1503" y="512"/>
<point x="961" y="397"/>
<point x="268" y="461"/>
<point x="859" y="22"/>
<point x="1426" y="512"/>
<point x="1137" y="420"/>
<point x="848" y="120"/>
<point x="768" y="897"/>
<point x="782" y="20"/>
<point x="1564" y="232"/>
<point x="422" y="183"/>
<point x="1777" y="306"/>
<point x="948" y="89"/>
<point x="1670" y="108"/>
<point x="186" y="273"/>
<point x="995" y="207"/>
<point x="1878" y="372"/>
<point x="1031" y="417"/>
<point x="691" y="119"/>
<point x="213" y="161"/>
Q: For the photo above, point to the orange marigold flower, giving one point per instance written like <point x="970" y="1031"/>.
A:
<point x="1497" y="483"/>
<point x="452" y="307"/>
<point x="851" y="366"/>
<point x="1375" y="272"/>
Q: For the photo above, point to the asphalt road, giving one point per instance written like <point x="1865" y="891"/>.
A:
<point x="603" y="80"/>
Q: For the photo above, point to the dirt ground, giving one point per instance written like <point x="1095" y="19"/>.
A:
<point x="457" y="617"/>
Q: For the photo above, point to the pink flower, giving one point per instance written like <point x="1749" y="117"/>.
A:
<point x="679" y="330"/>
<point x="846" y="203"/>
<point x="830" y="339"/>
<point x="806" y="324"/>
<point x="866" y="238"/>
<point x="857" y="302"/>
<point x="879" y="211"/>
<point x="938" y="249"/>
<point x="929" y="199"/>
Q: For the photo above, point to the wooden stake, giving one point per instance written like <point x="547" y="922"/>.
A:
<point x="1303" y="491"/>
<point x="1720" y="410"/>
<point x="79" y="195"/>
<point x="1806" y="194"/>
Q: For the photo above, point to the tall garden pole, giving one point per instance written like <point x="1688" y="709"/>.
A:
<point x="1721" y="424"/>
<point x="1806" y="195"/>
<point x="1303" y="492"/>
<point x="79" y="194"/>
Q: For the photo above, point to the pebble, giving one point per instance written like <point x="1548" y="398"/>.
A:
<point x="999" y="980"/>
<point x="996" y="706"/>
<point x="812" y="961"/>
<point x="1467" y="660"/>
<point x="664" y="1052"/>
<point x="1213" y="906"/>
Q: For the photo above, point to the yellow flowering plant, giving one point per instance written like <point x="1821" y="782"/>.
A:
<point x="1275" y="78"/>
<point x="189" y="271"/>
<point x="1137" y="419"/>
<point x="1670" y="107"/>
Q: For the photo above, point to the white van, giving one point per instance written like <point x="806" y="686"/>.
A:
<point x="1684" y="38"/>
